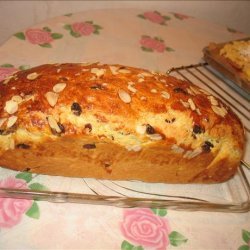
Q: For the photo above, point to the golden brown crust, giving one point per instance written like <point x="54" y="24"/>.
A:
<point x="229" y="68"/>
<point x="116" y="122"/>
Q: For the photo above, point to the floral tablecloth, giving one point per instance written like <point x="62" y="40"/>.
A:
<point x="150" y="39"/>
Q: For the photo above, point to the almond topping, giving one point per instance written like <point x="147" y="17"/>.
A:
<point x="11" y="121"/>
<point x="58" y="70"/>
<point x="221" y="111"/>
<point x="140" y="80"/>
<point x="11" y="107"/>
<point x="185" y="104"/>
<point x="153" y="91"/>
<point x="2" y="121"/>
<point x="165" y="94"/>
<point x="163" y="80"/>
<point x="141" y="129"/>
<point x="125" y="97"/>
<point x="135" y="148"/>
<point x="143" y="98"/>
<point x="177" y="149"/>
<point x="124" y="71"/>
<point x="145" y="74"/>
<point x="155" y="137"/>
<point x="59" y="87"/>
<point x="131" y="83"/>
<point x="53" y="124"/>
<point x="7" y="79"/>
<point x="17" y="98"/>
<point x="98" y="72"/>
<point x="52" y="98"/>
<point x="213" y="100"/>
<point x="113" y="70"/>
<point x="189" y="154"/>
<point x="191" y="103"/>
<point x="132" y="89"/>
<point x="32" y="76"/>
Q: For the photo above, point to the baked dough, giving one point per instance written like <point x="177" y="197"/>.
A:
<point x="116" y="122"/>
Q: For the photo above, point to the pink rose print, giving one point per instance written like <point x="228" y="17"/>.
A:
<point x="155" y="17"/>
<point x="42" y="37"/>
<point x="79" y="29"/>
<point x="84" y="29"/>
<point x="150" y="44"/>
<point x="141" y="226"/>
<point x="6" y="71"/>
<point x="11" y="210"/>
<point x="38" y="36"/>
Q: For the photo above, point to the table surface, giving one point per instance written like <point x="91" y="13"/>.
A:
<point x="148" y="39"/>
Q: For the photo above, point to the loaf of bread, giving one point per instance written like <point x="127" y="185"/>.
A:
<point x="116" y="122"/>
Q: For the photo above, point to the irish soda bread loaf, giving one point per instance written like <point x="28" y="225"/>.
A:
<point x="116" y="122"/>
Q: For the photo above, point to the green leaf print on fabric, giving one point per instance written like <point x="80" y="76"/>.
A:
<point x="176" y="239"/>
<point x="128" y="246"/>
<point x="46" y="45"/>
<point x="38" y="186"/>
<point x="160" y="211"/>
<point x="20" y="35"/>
<point x="25" y="176"/>
<point x="56" y="36"/>
<point x="246" y="238"/>
<point x="34" y="211"/>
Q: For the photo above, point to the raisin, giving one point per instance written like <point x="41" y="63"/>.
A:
<point x="88" y="126"/>
<point x="206" y="147"/>
<point x="89" y="146"/>
<point x="149" y="129"/>
<point x="180" y="90"/>
<point x="76" y="108"/>
<point x="61" y="127"/>
<point x="197" y="129"/>
<point x="97" y="86"/>
<point x="170" y="121"/>
<point x="23" y="146"/>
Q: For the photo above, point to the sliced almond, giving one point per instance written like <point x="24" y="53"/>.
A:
<point x="125" y="97"/>
<point x="141" y="80"/>
<point x="177" y="149"/>
<point x="212" y="100"/>
<point x="135" y="148"/>
<point x="143" y="98"/>
<point x="198" y="111"/>
<point x="156" y="137"/>
<point x="153" y="91"/>
<point x="32" y="76"/>
<point x="221" y="111"/>
<point x="98" y="72"/>
<point x="52" y="98"/>
<point x="2" y="121"/>
<point x="163" y="80"/>
<point x="59" y="87"/>
<point x="7" y="79"/>
<point x="189" y="154"/>
<point x="165" y="94"/>
<point x="124" y="71"/>
<point x="29" y="97"/>
<point x="53" y="124"/>
<point x="11" y="107"/>
<point x="113" y="70"/>
<point x="191" y="103"/>
<point x="17" y="98"/>
<point x="185" y="104"/>
<point x="145" y="74"/>
<point x="132" y="89"/>
<point x="131" y="83"/>
<point x="11" y="121"/>
<point x="141" y="129"/>
<point x="58" y="70"/>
